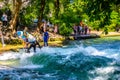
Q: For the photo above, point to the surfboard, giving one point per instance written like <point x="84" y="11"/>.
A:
<point x="30" y="37"/>
<point x="20" y="35"/>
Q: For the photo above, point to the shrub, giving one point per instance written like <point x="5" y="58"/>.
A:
<point x="13" y="41"/>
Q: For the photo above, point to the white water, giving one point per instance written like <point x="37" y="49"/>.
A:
<point x="110" y="53"/>
<point x="102" y="72"/>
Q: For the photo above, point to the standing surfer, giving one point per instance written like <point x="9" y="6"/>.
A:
<point x="29" y="40"/>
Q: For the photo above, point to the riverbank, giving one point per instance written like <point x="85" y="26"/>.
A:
<point x="55" y="41"/>
<point x="10" y="48"/>
<point x="16" y="48"/>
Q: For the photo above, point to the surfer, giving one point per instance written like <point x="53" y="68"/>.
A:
<point x="29" y="40"/>
<point x="32" y="42"/>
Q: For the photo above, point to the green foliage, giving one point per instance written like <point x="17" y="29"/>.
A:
<point x="102" y="10"/>
<point x="68" y="15"/>
<point x="65" y="29"/>
<point x="106" y="30"/>
<point x="115" y="19"/>
<point x="27" y="15"/>
<point x="95" y="13"/>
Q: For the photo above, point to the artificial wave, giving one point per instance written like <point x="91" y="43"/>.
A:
<point x="80" y="60"/>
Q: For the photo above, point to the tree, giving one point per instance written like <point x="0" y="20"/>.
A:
<point x="100" y="10"/>
<point x="57" y="9"/>
<point x="17" y="5"/>
<point x="41" y="7"/>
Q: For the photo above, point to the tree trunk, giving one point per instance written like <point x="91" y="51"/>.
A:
<point x="40" y="17"/>
<point x="56" y="8"/>
<point x="17" y="5"/>
<point x="13" y="4"/>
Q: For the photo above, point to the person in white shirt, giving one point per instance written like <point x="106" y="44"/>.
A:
<point x="31" y="40"/>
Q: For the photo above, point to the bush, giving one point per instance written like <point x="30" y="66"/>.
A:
<point x="13" y="41"/>
<point x="65" y="30"/>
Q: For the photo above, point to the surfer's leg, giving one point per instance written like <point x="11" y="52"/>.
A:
<point x="28" y="49"/>
<point x="37" y="43"/>
<point x="34" y="47"/>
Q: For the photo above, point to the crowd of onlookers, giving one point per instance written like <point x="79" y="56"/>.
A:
<point x="46" y="25"/>
<point x="81" y="29"/>
<point x="78" y="29"/>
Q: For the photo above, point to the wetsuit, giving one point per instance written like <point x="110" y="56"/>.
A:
<point x="30" y="40"/>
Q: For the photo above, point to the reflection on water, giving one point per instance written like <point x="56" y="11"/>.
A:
<point x="96" y="59"/>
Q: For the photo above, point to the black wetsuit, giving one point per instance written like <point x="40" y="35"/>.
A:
<point x="32" y="44"/>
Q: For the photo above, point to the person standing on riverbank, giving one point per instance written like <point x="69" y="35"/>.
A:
<point x="45" y="38"/>
<point x="55" y="29"/>
<point x="4" y="19"/>
<point x="37" y="36"/>
<point x="1" y="35"/>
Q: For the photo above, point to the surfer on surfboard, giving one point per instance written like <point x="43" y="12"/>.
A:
<point x="29" y="40"/>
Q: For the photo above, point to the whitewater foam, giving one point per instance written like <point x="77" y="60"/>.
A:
<point x="32" y="66"/>
<point x="106" y="70"/>
<point x="14" y="55"/>
<point x="9" y="55"/>
<point x="100" y="78"/>
<point x="103" y="73"/>
<point x="62" y="51"/>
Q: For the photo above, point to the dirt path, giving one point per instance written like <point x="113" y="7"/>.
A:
<point x="100" y="33"/>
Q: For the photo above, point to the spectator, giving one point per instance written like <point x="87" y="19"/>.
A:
<point x="44" y="26"/>
<point x="80" y="30"/>
<point x="45" y="38"/>
<point x="1" y="35"/>
<point x="83" y="29"/>
<point x="75" y="28"/>
<point x="86" y="29"/>
<point x="89" y="29"/>
<point x="55" y="29"/>
<point x="4" y="19"/>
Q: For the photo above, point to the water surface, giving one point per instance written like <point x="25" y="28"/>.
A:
<point x="93" y="59"/>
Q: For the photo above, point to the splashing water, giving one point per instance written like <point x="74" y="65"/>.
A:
<point x="81" y="60"/>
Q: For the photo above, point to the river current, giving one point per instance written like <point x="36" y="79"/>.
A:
<point x="93" y="59"/>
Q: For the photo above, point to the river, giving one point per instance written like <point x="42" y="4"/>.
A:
<point x="93" y="59"/>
